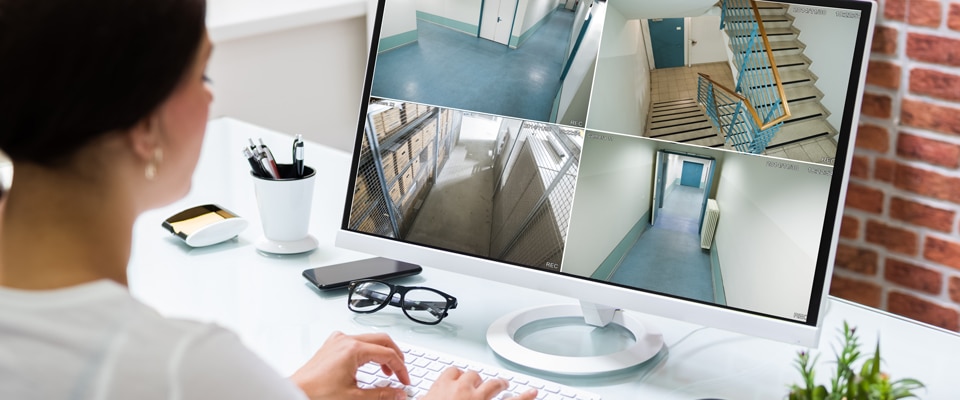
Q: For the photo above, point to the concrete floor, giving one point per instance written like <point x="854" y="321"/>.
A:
<point x="457" y="213"/>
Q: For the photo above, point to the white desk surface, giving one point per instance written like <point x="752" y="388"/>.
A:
<point x="272" y="308"/>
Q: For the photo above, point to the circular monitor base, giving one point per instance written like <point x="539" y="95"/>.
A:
<point x="502" y="338"/>
<point x="287" y="247"/>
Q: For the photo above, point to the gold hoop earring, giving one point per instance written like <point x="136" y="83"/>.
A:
<point x="151" y="170"/>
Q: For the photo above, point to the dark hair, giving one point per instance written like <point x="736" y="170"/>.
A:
<point x="72" y="70"/>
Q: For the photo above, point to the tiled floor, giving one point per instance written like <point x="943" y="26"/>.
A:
<point x="667" y="257"/>
<point x="681" y="82"/>
<point x="452" y="69"/>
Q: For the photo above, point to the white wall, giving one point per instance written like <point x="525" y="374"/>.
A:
<point x="305" y="80"/>
<point x="830" y="41"/>
<point x="466" y="11"/>
<point x="710" y="45"/>
<point x="399" y="16"/>
<point x="573" y="97"/>
<point x="622" y="81"/>
<point x="769" y="233"/>
<point x="529" y="12"/>
<point x="613" y="192"/>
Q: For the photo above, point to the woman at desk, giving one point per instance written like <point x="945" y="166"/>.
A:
<point x="104" y="105"/>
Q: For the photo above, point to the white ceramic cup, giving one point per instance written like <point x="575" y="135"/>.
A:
<point x="284" y="206"/>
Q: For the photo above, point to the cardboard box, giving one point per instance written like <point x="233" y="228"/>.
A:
<point x="401" y="154"/>
<point x="368" y="225"/>
<point x="416" y="143"/>
<point x="396" y="194"/>
<point x="389" y="166"/>
<point x="407" y="181"/>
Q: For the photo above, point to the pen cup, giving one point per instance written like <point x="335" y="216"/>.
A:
<point x="284" y="206"/>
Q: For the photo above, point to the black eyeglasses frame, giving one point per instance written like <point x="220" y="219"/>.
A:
<point x="449" y="304"/>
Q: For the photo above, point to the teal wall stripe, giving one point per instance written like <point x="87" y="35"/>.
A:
<point x="516" y="41"/>
<point x="719" y="295"/>
<point x="610" y="264"/>
<point x="450" y="23"/>
<point x="392" y="42"/>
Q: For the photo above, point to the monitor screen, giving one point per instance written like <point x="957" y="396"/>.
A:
<point x="684" y="158"/>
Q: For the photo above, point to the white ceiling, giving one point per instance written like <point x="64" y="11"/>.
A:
<point x="646" y="9"/>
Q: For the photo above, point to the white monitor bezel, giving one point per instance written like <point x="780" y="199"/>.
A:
<point x="597" y="292"/>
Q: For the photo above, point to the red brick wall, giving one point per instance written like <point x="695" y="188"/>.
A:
<point x="900" y="238"/>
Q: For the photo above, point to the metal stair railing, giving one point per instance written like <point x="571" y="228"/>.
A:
<point x="734" y="116"/>
<point x="758" y="78"/>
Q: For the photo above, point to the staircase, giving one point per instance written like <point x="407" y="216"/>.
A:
<point x="807" y="119"/>
<point x="681" y="121"/>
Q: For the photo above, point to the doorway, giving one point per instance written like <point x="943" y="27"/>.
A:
<point x="496" y="20"/>
<point x="682" y="184"/>
<point x="666" y="39"/>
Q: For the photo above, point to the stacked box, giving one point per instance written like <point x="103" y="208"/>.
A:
<point x="389" y="166"/>
<point x="361" y="199"/>
<point x="415" y="167"/>
<point x="368" y="226"/>
<point x="395" y="194"/>
<point x="407" y="181"/>
<point x="416" y="142"/>
<point x="400" y="152"/>
<point x="386" y="122"/>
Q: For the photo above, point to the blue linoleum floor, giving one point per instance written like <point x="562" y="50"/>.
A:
<point x="452" y="69"/>
<point x="667" y="257"/>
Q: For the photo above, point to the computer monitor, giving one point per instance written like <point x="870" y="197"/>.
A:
<point x="686" y="159"/>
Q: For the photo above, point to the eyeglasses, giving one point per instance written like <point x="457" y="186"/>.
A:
<point x="421" y="304"/>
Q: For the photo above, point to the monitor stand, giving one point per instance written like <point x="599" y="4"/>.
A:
<point x="503" y="338"/>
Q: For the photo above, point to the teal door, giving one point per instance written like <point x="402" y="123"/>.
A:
<point x="666" y="38"/>
<point x="690" y="176"/>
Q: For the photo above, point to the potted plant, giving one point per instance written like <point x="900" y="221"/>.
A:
<point x="846" y="384"/>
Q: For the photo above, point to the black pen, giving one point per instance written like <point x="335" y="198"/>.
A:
<point x="254" y="163"/>
<point x="298" y="155"/>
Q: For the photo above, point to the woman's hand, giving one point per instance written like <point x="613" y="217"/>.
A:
<point x="331" y="372"/>
<point x="454" y="384"/>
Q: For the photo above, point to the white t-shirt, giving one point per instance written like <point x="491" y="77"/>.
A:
<point x="95" y="341"/>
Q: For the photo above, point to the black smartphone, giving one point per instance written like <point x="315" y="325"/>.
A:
<point x="339" y="275"/>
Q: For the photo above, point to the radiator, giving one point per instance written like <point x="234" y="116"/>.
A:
<point x="710" y="218"/>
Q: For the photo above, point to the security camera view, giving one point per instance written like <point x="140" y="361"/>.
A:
<point x="687" y="151"/>
<point x="715" y="226"/>
<point x="474" y="183"/>
<point x="776" y="85"/>
<point x="530" y="60"/>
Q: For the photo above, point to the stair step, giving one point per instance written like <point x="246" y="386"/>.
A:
<point x="670" y="126"/>
<point x="674" y="116"/>
<point x="773" y="34"/>
<point x="770" y="22"/>
<point x="802" y="93"/>
<point x="701" y="132"/>
<point x="798" y="132"/>
<point x="673" y="103"/>
<point x="786" y="62"/>
<point x="788" y="78"/>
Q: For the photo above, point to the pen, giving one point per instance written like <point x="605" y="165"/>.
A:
<point x="298" y="155"/>
<point x="254" y="163"/>
<point x="271" y="163"/>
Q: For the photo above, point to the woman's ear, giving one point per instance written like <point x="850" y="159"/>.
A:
<point x="144" y="137"/>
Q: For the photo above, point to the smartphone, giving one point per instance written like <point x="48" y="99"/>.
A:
<point x="339" y="275"/>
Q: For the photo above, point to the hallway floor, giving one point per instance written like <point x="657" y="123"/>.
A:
<point x="667" y="258"/>
<point x="452" y="69"/>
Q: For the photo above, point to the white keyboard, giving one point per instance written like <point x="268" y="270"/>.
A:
<point x="426" y="365"/>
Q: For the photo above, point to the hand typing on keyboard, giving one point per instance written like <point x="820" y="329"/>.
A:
<point x="332" y="373"/>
